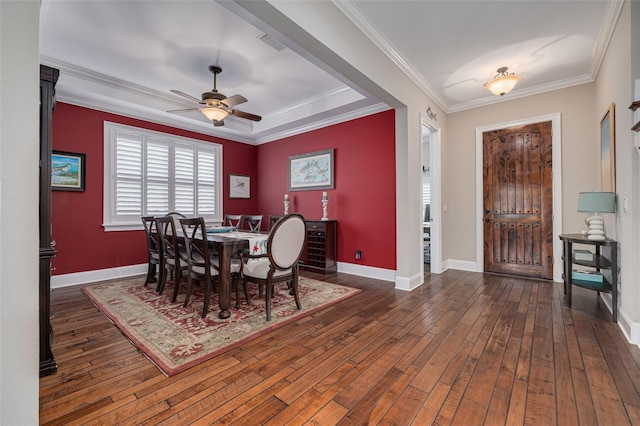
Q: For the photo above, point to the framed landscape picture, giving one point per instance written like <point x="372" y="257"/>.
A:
<point x="67" y="171"/>
<point x="239" y="186"/>
<point x="311" y="171"/>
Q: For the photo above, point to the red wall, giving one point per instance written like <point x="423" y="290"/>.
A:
<point x="76" y="217"/>
<point x="363" y="201"/>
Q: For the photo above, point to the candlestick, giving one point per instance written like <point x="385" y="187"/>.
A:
<point x="324" y="209"/>
<point x="286" y="207"/>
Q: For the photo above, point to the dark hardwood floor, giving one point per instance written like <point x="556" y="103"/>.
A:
<point x="466" y="348"/>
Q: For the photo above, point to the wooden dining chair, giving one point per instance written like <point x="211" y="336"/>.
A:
<point x="170" y="250"/>
<point x="253" y="222"/>
<point x="280" y="263"/>
<point x="154" y="256"/>
<point x="273" y="219"/>
<point x="235" y="220"/>
<point x="200" y="264"/>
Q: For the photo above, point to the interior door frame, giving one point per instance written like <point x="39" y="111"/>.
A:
<point x="556" y="171"/>
<point x="436" y="170"/>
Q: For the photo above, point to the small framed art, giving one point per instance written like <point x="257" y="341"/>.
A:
<point x="239" y="186"/>
<point x="67" y="171"/>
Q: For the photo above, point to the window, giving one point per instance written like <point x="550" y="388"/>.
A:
<point x="152" y="173"/>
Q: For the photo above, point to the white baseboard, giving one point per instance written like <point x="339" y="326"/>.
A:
<point x="66" y="280"/>
<point x="367" y="271"/>
<point x="461" y="265"/>
<point x="409" y="283"/>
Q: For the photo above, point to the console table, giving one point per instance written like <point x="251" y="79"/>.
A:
<point x="601" y="261"/>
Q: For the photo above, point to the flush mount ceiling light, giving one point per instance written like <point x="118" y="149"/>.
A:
<point x="503" y="82"/>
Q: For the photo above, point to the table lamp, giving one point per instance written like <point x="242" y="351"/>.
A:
<point x="596" y="202"/>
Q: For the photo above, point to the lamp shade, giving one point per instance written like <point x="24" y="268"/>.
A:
<point x="214" y="114"/>
<point x="502" y="85"/>
<point x="597" y="202"/>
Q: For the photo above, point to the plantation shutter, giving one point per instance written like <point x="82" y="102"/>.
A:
<point x="184" y="180"/>
<point x="128" y="176"/>
<point x="157" y="166"/>
<point x="206" y="185"/>
<point x="426" y="192"/>
<point x="150" y="173"/>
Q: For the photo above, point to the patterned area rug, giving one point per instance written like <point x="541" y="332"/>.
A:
<point x="177" y="338"/>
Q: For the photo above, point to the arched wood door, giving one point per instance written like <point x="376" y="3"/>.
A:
<point x="518" y="210"/>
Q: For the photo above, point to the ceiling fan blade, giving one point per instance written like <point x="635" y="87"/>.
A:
<point x="247" y="115"/>
<point x="218" y="123"/>
<point x="234" y="100"/>
<point x="184" y="110"/>
<point x="177" y="92"/>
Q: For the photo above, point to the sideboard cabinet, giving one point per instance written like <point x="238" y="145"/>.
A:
<point x="319" y="254"/>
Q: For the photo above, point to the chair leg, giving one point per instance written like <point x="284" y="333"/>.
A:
<point x="207" y="296"/>
<point x="246" y="290"/>
<point x="189" y="282"/>
<point x="162" y="281"/>
<point x="151" y="274"/>
<point x="235" y="280"/>
<point x="176" y="286"/>
<point x="294" y="289"/>
<point x="268" y="296"/>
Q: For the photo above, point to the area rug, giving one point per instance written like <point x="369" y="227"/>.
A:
<point x="177" y="338"/>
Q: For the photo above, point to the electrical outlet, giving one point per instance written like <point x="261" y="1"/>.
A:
<point x="358" y="254"/>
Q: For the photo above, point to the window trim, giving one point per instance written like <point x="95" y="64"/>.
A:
<point x="110" y="131"/>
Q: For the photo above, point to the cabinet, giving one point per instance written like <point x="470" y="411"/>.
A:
<point x="48" y="79"/>
<point x="605" y="261"/>
<point x="319" y="254"/>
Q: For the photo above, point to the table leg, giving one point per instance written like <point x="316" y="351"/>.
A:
<point x="225" y="280"/>
<point x="568" y="254"/>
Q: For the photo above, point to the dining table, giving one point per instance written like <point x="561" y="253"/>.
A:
<point x="227" y="244"/>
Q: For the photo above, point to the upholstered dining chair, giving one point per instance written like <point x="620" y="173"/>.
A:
<point x="280" y="263"/>
<point x="153" y="248"/>
<point x="253" y="222"/>
<point x="201" y="266"/>
<point x="236" y="220"/>
<point x="170" y="250"/>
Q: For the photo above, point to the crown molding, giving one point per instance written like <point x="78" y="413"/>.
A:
<point x="355" y="15"/>
<point x="604" y="35"/>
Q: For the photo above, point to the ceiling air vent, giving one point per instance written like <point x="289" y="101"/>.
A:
<point x="272" y="42"/>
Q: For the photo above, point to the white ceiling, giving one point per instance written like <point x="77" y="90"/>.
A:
<point x="125" y="57"/>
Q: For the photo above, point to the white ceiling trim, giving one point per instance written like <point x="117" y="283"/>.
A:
<point x="356" y="16"/>
<point x="353" y="12"/>
<point x="90" y="89"/>
<point x="604" y="35"/>
<point x="335" y="119"/>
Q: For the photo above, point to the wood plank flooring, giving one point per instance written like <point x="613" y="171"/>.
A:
<point x="465" y="348"/>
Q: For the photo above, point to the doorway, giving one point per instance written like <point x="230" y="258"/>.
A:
<point x="517" y="204"/>
<point x="515" y="255"/>
<point x="430" y="223"/>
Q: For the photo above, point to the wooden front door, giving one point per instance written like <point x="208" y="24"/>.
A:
<point x="518" y="211"/>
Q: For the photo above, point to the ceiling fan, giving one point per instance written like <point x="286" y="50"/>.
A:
<point x="216" y="105"/>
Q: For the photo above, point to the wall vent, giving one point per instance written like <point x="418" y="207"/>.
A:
<point x="272" y="42"/>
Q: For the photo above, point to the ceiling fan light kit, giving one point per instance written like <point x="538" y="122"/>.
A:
<point x="214" y="114"/>
<point x="503" y="82"/>
<point x="216" y="105"/>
